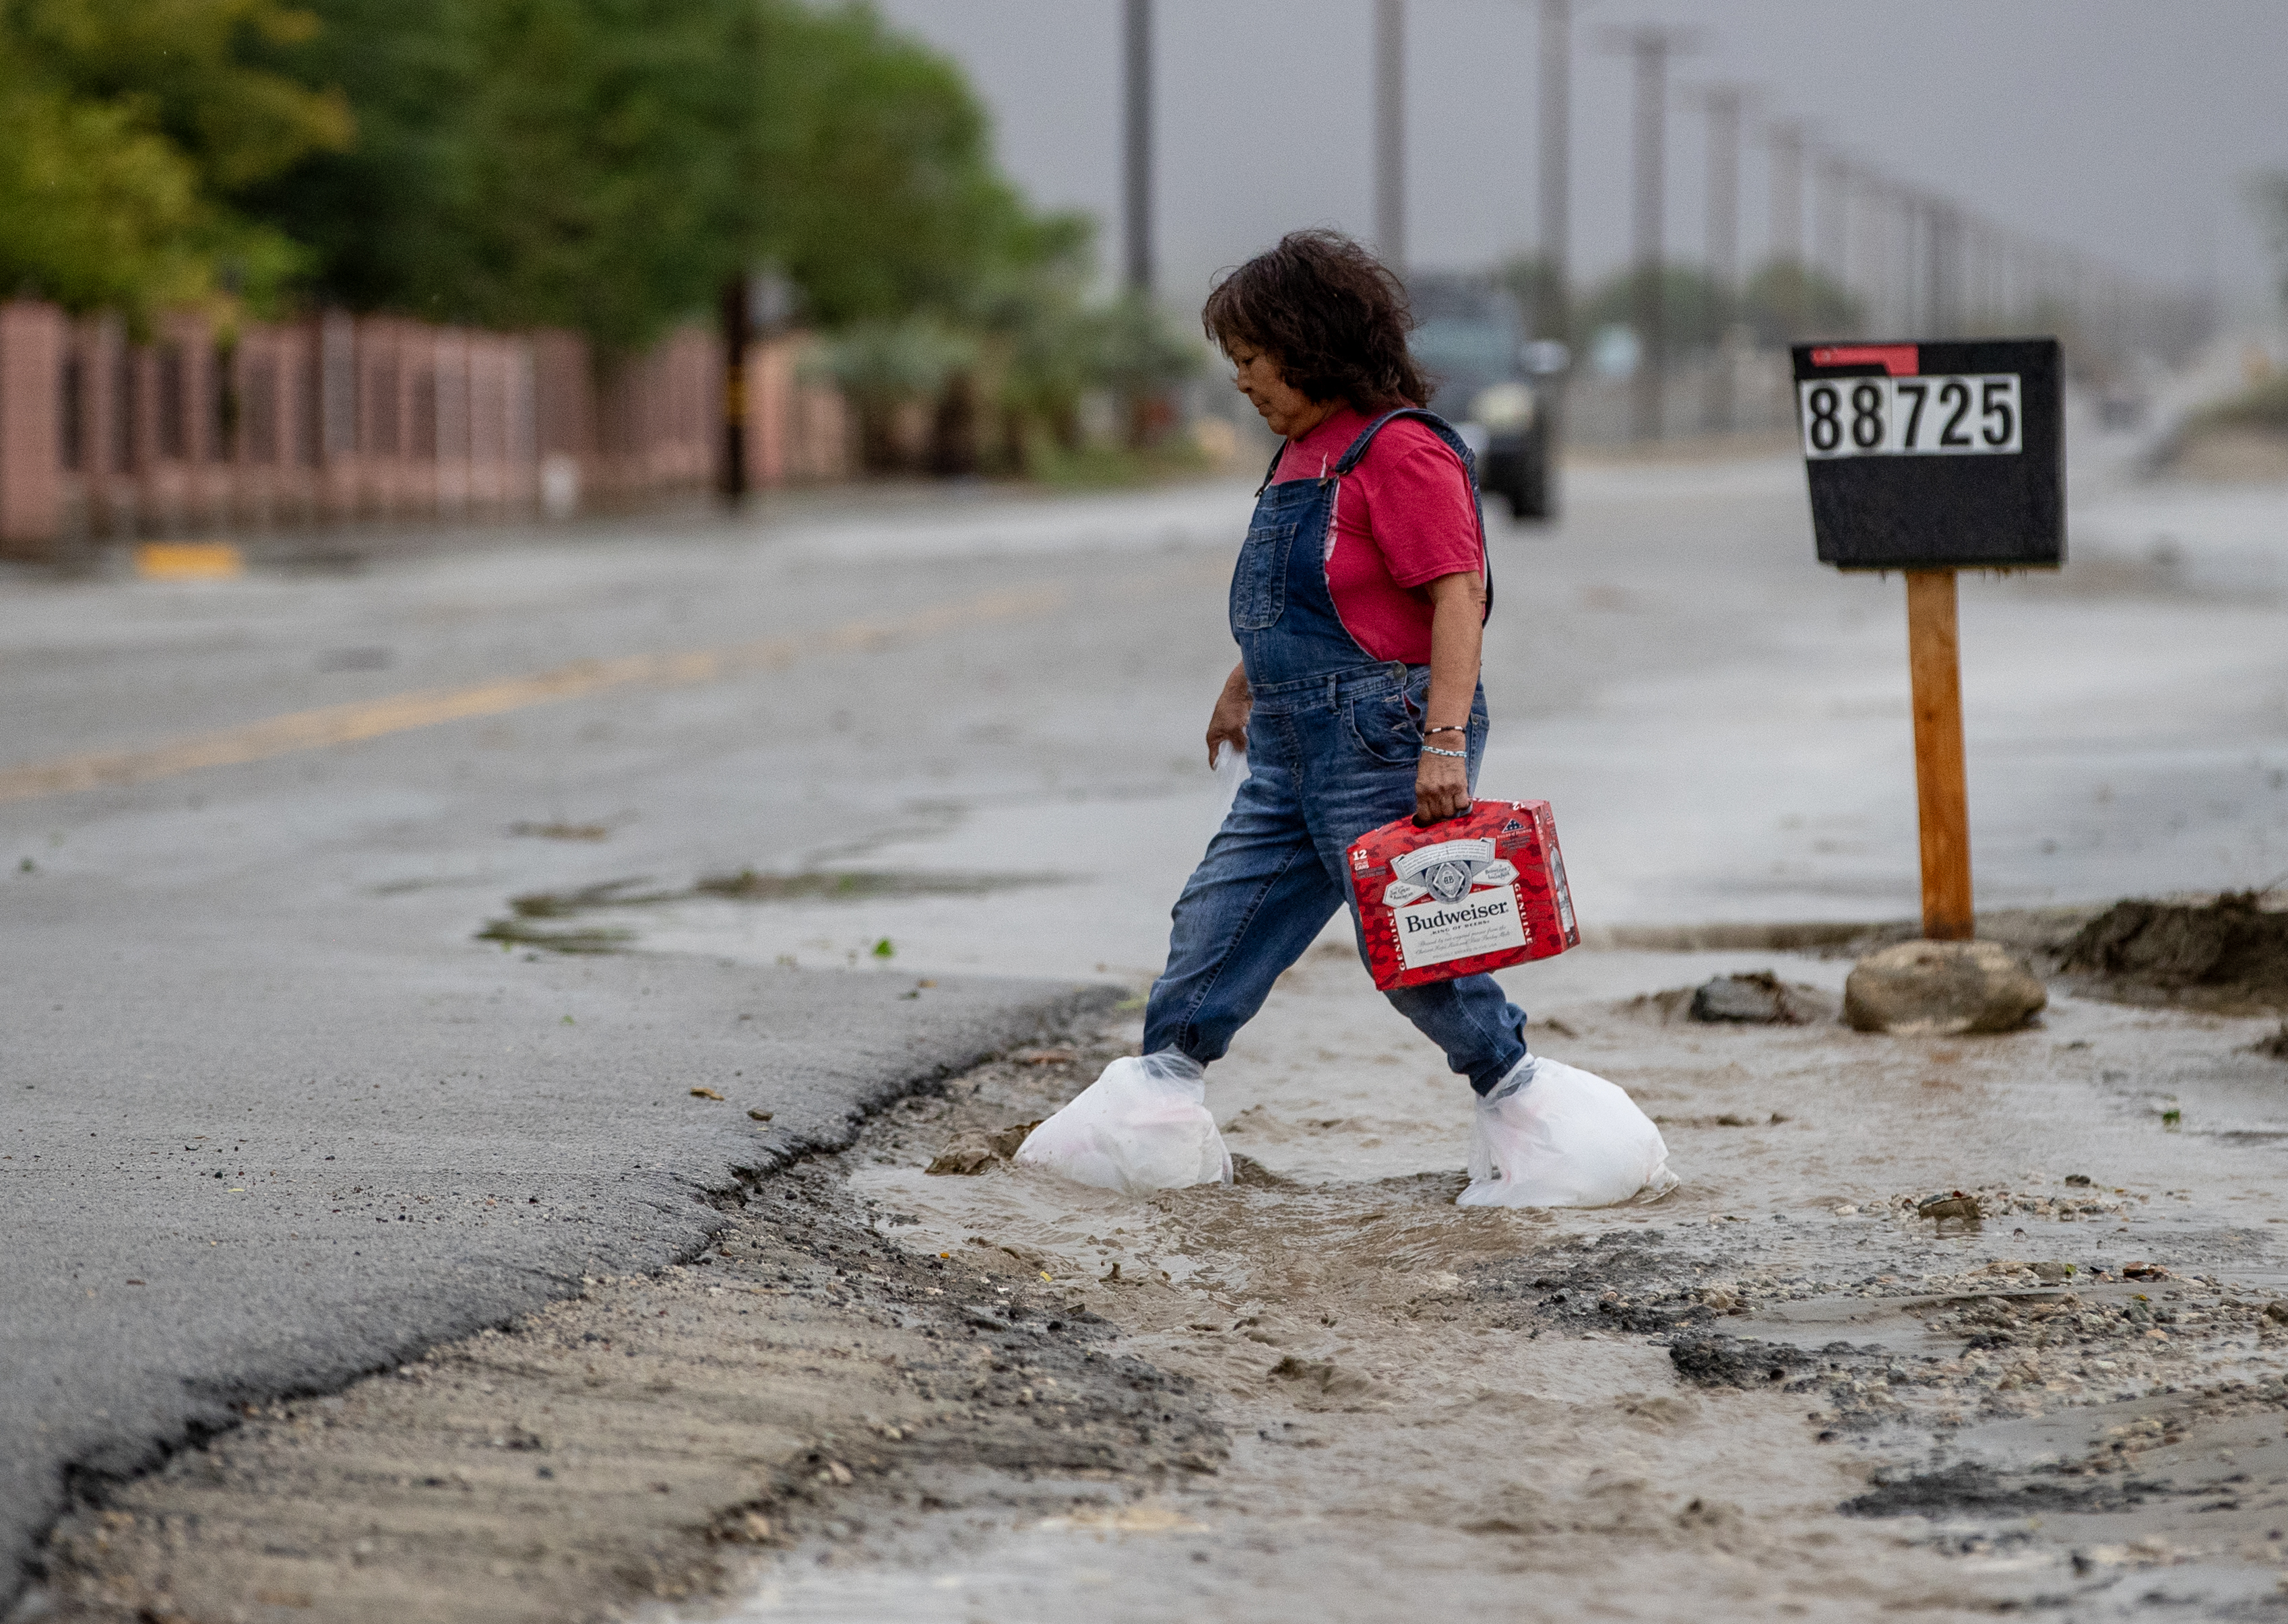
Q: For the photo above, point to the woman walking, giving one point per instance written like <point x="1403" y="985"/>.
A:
<point x="1359" y="606"/>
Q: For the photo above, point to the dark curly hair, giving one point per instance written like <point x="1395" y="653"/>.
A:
<point x="1332" y="316"/>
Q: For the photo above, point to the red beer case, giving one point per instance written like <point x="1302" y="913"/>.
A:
<point x="1479" y="892"/>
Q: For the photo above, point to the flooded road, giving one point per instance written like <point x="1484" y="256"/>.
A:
<point x="1563" y="1413"/>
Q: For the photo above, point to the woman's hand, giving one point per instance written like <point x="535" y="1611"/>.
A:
<point x="1441" y="786"/>
<point x="1227" y="722"/>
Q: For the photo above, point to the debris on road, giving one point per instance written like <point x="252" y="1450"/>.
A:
<point x="968" y="1155"/>
<point x="976" y="1149"/>
<point x="1338" y="1314"/>
<point x="2232" y="952"/>
<point x="746" y="885"/>
<point x="1759" y="998"/>
<point x="579" y="939"/>
<point x="1955" y="1204"/>
<point x="562" y="831"/>
<point x="1942" y="989"/>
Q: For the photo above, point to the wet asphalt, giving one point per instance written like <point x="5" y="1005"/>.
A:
<point x="274" y="1115"/>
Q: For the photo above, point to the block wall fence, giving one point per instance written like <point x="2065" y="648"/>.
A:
<point x="341" y="419"/>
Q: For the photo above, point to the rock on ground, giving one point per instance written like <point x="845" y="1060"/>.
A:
<point x="1760" y="998"/>
<point x="1942" y="989"/>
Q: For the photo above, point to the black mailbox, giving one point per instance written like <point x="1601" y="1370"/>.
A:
<point x="1934" y="455"/>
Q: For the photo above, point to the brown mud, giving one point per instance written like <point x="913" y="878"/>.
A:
<point x="2230" y="954"/>
<point x="1781" y="1392"/>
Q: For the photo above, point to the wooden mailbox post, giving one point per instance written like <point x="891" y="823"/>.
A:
<point x="1927" y="459"/>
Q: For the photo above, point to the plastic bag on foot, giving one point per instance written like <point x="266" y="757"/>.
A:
<point x="1552" y="1135"/>
<point x="1143" y="1125"/>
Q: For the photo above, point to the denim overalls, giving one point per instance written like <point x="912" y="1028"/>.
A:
<point x="1333" y="748"/>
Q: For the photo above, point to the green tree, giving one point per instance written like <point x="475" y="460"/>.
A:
<point x="874" y="173"/>
<point x="572" y="162"/>
<point x="96" y="208"/>
<point x="130" y="130"/>
<point x="883" y="366"/>
<point x="1531" y="280"/>
<point x="606" y="165"/>
<point x="1787" y="302"/>
<point x="1695" y="311"/>
<point x="194" y="68"/>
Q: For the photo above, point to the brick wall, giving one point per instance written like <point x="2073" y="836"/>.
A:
<point x="339" y="419"/>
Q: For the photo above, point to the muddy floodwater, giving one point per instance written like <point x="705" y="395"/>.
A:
<point x="1777" y="1392"/>
<point x="1935" y="1326"/>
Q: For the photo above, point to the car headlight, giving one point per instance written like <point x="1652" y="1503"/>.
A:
<point x="1504" y="408"/>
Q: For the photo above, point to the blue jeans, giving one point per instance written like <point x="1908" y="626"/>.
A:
<point x="1329" y="759"/>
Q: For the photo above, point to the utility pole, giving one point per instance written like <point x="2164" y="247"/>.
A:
<point x="734" y="308"/>
<point x="1390" y="132"/>
<point x="1137" y="176"/>
<point x="1554" y="319"/>
<point x="1834" y="186"/>
<point x="1874" y="249"/>
<point x="1943" y="242"/>
<point x="1787" y="194"/>
<point x="1724" y="103"/>
<point x="1649" y="47"/>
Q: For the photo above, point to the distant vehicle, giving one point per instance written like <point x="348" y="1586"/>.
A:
<point x="1495" y="387"/>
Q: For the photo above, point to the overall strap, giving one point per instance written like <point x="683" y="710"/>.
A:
<point x="1454" y="442"/>
<point x="1272" y="472"/>
<point x="1421" y="414"/>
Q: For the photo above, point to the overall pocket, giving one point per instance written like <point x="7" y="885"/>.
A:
<point x="1259" y="584"/>
<point x="1386" y="727"/>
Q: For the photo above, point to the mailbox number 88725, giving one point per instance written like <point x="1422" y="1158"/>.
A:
<point x="1974" y="416"/>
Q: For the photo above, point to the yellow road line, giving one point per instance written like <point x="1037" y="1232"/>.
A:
<point x="309" y="730"/>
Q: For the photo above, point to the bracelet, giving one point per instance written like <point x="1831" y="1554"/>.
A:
<point x="1432" y="750"/>
<point x="1457" y="728"/>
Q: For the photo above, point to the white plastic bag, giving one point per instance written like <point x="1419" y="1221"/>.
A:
<point x="1552" y="1135"/>
<point x="1143" y="1125"/>
<point x="1230" y="773"/>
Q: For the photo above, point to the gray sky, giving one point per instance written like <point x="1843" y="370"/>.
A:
<point x="2117" y="126"/>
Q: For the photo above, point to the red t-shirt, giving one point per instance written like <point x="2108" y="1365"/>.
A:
<point x="1402" y="516"/>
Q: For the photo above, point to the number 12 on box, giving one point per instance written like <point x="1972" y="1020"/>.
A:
<point x="1975" y="415"/>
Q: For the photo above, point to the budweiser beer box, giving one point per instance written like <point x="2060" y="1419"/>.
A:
<point x="1476" y="893"/>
